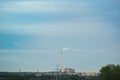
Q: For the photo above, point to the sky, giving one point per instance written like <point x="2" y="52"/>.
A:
<point x="32" y="33"/>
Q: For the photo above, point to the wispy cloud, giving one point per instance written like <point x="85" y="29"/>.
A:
<point x="45" y="6"/>
<point x="70" y="28"/>
<point x="28" y="51"/>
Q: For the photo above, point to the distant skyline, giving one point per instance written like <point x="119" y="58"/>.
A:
<point x="32" y="33"/>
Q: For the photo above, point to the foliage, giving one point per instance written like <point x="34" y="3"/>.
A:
<point x="46" y="77"/>
<point x="110" y="72"/>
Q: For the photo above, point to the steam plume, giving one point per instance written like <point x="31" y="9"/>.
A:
<point x="65" y="49"/>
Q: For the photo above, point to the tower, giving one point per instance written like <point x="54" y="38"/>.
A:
<point x="61" y="61"/>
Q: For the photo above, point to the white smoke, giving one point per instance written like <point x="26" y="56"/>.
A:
<point x="66" y="49"/>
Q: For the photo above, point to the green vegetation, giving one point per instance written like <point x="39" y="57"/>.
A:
<point x="46" y="77"/>
<point x="110" y="72"/>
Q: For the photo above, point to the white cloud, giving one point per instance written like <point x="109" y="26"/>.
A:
<point x="34" y="52"/>
<point x="82" y="26"/>
<point x="68" y="28"/>
<point x="45" y="6"/>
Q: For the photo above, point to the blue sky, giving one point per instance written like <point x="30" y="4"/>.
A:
<point x="32" y="32"/>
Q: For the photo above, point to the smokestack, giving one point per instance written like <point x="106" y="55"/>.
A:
<point x="61" y="58"/>
<point x="61" y="61"/>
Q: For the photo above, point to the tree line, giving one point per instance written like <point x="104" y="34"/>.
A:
<point x="108" y="72"/>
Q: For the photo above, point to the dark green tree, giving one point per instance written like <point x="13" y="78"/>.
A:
<point x="110" y="72"/>
<point x="75" y="77"/>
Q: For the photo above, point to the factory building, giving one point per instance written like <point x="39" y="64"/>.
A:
<point x="88" y="74"/>
<point x="69" y="71"/>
